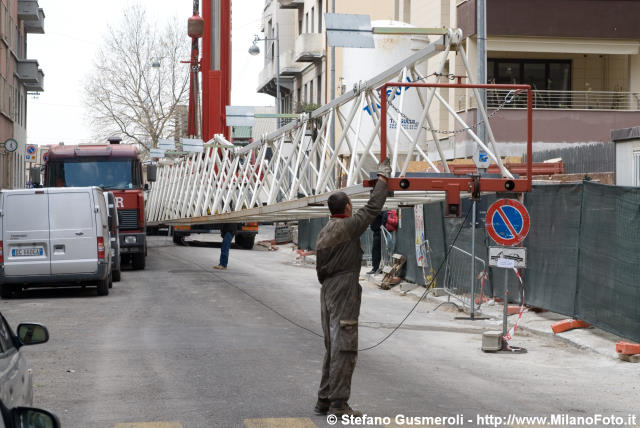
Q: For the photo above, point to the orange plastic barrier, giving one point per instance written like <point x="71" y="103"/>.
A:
<point x="564" y="325"/>
<point x="627" y="348"/>
<point x="513" y="309"/>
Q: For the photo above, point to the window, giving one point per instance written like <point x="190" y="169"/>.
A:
<point x="312" y="20"/>
<point x="299" y="98"/>
<point x="112" y="174"/>
<point x="311" y="91"/>
<point x="541" y="74"/>
<point x="79" y="217"/>
<point x="300" y="26"/>
<point x="319" y="16"/>
<point x="306" y="22"/>
<point x="6" y="340"/>
<point x="305" y="93"/>
<point x="319" y="89"/>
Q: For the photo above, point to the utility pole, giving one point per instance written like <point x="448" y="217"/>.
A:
<point x="333" y="82"/>
<point x="482" y="79"/>
<point x="279" y="101"/>
<point x="482" y="61"/>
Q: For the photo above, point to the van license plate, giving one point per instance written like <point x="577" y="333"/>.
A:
<point x="27" y="252"/>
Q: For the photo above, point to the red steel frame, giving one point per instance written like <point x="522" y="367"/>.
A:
<point x="216" y="84"/>
<point x="453" y="186"/>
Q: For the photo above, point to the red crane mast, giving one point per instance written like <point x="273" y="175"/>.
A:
<point x="215" y="67"/>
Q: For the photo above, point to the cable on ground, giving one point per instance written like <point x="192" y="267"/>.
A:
<point x="427" y="290"/>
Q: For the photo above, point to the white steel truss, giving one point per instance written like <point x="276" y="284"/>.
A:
<point x="289" y="173"/>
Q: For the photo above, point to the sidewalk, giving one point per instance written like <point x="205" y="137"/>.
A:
<point x="443" y="319"/>
<point x="592" y="339"/>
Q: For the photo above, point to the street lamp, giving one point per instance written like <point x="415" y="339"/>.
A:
<point x="255" y="50"/>
<point x="156" y="64"/>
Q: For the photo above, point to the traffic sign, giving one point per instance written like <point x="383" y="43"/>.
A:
<point x="481" y="159"/>
<point x="45" y="157"/>
<point x="31" y="149"/>
<point x="509" y="257"/>
<point x="507" y="222"/>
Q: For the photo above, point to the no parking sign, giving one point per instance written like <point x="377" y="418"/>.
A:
<point x="31" y="153"/>
<point x="507" y="222"/>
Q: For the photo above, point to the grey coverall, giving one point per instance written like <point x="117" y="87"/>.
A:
<point x="338" y="262"/>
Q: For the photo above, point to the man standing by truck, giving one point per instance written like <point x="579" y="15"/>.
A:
<point x="338" y="263"/>
<point x="228" y="231"/>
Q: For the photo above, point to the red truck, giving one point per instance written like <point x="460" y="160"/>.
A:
<point x="114" y="167"/>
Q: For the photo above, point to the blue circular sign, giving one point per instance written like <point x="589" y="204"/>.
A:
<point x="507" y="222"/>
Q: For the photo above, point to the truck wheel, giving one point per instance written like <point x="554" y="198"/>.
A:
<point x="6" y="291"/>
<point x="103" y="286"/>
<point x="246" y="241"/>
<point x="139" y="261"/>
<point x="116" y="275"/>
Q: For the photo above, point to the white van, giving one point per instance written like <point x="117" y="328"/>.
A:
<point x="54" y="236"/>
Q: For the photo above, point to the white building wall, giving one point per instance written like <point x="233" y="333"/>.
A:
<point x="628" y="163"/>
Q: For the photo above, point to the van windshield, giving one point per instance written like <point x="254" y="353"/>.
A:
<point x="108" y="174"/>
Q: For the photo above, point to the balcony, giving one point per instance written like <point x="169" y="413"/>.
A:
<point x="267" y="80"/>
<point x="558" y="116"/>
<point x="32" y="15"/>
<point x="291" y="4"/>
<point x="289" y="66"/>
<point x="30" y="75"/>
<point x="576" y="100"/>
<point x="309" y="47"/>
<point x="35" y="26"/>
<point x="38" y="86"/>
<point x="28" y="10"/>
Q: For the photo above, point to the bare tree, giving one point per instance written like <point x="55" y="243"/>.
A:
<point x="138" y="80"/>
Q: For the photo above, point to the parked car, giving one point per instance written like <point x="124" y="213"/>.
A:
<point x="112" y="212"/>
<point x="54" y="237"/>
<point x="16" y="387"/>
<point x="16" y="384"/>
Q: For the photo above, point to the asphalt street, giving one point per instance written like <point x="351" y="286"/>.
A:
<point x="182" y="345"/>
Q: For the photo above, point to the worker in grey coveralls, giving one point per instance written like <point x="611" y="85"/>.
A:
<point x="338" y="262"/>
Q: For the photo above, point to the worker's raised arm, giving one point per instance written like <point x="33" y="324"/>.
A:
<point x="365" y="215"/>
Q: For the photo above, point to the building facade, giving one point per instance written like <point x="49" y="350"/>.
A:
<point x="581" y="58"/>
<point x="305" y="63"/>
<point x="585" y="72"/>
<point x="18" y="77"/>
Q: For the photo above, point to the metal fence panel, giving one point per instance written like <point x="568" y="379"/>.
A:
<point x="608" y="293"/>
<point x="552" y="246"/>
<point x="308" y="231"/>
<point x="406" y="245"/>
<point x="582" y="158"/>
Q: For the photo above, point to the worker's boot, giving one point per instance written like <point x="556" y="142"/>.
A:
<point x="339" y="408"/>
<point x="322" y="406"/>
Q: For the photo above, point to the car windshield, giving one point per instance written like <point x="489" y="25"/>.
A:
<point x="112" y="174"/>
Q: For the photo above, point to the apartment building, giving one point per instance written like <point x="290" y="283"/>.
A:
<point x="581" y="57"/>
<point x="305" y="62"/>
<point x="18" y="76"/>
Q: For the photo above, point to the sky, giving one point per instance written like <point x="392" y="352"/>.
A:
<point x="74" y="30"/>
